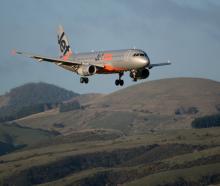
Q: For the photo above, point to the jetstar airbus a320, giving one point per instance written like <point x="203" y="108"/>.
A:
<point x="103" y="62"/>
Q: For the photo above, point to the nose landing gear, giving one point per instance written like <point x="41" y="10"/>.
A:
<point x="133" y="75"/>
<point x="84" y="80"/>
<point x="119" y="81"/>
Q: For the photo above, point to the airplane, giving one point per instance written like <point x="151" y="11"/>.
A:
<point x="135" y="61"/>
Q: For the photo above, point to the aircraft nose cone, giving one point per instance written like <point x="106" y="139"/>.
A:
<point x="143" y="62"/>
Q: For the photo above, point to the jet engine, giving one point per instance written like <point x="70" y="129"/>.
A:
<point x="140" y="74"/>
<point x="86" y="70"/>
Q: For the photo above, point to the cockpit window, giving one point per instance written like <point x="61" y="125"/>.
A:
<point x="139" y="54"/>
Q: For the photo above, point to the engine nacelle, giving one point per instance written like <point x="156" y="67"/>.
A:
<point x="144" y="73"/>
<point x="86" y="70"/>
<point x="140" y="74"/>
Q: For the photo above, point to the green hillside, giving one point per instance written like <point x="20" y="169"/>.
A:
<point x="155" y="105"/>
<point x="160" y="158"/>
<point x="167" y="95"/>
<point x="38" y="93"/>
<point x="13" y="136"/>
<point x="140" y="135"/>
<point x="32" y="98"/>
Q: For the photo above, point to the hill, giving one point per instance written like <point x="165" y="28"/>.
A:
<point x="140" y="135"/>
<point x="161" y="104"/>
<point x="177" y="157"/>
<point x="38" y="93"/>
<point x="86" y="99"/>
<point x="167" y="95"/>
<point x="31" y="98"/>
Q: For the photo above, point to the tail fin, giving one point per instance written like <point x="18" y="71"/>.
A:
<point x="65" y="49"/>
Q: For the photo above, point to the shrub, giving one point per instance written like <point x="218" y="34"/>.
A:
<point x="190" y="110"/>
<point x="65" y="107"/>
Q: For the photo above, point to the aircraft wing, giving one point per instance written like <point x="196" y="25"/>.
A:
<point x="54" y="60"/>
<point x="159" y="64"/>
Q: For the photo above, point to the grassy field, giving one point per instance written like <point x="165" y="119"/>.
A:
<point x="193" y="175"/>
<point x="174" y="156"/>
<point x="13" y="137"/>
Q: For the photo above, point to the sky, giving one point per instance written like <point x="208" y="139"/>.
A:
<point x="185" y="32"/>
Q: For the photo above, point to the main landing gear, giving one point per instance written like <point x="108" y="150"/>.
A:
<point x="84" y="80"/>
<point x="119" y="81"/>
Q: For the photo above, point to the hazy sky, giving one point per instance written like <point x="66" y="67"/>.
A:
<point x="186" y="32"/>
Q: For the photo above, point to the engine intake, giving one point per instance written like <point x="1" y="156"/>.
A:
<point x="140" y="74"/>
<point x="86" y="70"/>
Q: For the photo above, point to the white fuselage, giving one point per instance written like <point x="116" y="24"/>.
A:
<point x="114" y="61"/>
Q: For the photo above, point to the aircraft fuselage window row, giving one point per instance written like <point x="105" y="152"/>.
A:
<point x="139" y="54"/>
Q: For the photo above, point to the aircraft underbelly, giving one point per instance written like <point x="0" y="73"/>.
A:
<point x="109" y="67"/>
<point x="122" y="64"/>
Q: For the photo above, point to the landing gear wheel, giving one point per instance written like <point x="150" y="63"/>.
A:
<point x="121" y="82"/>
<point x="81" y="80"/>
<point x="117" y="82"/>
<point x="84" y="80"/>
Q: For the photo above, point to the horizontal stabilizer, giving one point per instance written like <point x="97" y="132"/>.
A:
<point x="159" y="64"/>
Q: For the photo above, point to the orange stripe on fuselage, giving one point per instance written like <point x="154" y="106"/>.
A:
<point x="107" y="57"/>
<point x="110" y="69"/>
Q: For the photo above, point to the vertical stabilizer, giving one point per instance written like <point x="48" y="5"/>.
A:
<point x="65" y="50"/>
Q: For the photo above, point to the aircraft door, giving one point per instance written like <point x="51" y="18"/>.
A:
<point x="127" y="55"/>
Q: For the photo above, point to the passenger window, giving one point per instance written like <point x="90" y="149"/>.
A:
<point x="139" y="54"/>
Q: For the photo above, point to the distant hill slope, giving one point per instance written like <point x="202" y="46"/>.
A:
<point x="166" y="95"/>
<point x="13" y="136"/>
<point x="31" y="98"/>
<point x="38" y="93"/>
<point x="85" y="99"/>
<point x="4" y="100"/>
<point x="161" y="104"/>
<point x="99" y="145"/>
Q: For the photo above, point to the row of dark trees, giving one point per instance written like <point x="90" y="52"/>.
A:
<point x="207" y="121"/>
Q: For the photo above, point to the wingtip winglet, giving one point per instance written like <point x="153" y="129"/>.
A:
<point x="13" y="52"/>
